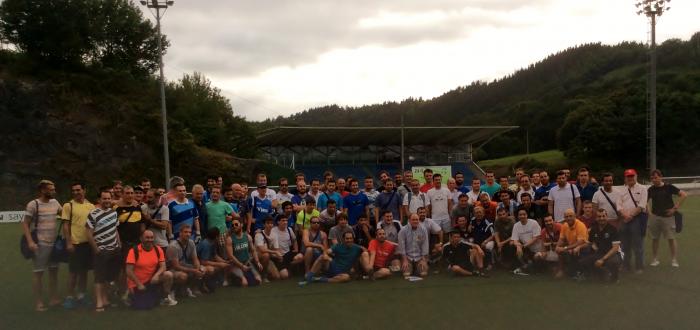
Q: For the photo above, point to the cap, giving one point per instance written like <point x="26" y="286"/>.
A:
<point x="630" y="172"/>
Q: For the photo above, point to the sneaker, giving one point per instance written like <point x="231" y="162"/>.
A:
<point x="225" y="284"/>
<point x="168" y="302"/>
<point x="674" y="263"/>
<point x="655" y="263"/>
<point x="126" y="299"/>
<point x="579" y="277"/>
<point x="519" y="271"/>
<point x="69" y="303"/>
<point x="302" y="283"/>
<point x="189" y="293"/>
<point x="171" y="295"/>
<point x="266" y="280"/>
<point x="84" y="301"/>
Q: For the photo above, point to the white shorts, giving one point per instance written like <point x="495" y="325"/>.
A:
<point x="445" y="224"/>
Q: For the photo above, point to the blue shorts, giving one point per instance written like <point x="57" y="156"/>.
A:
<point x="334" y="270"/>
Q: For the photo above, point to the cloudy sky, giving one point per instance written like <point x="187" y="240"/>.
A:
<point x="278" y="57"/>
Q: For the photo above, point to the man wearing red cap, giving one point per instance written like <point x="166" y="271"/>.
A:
<point x="632" y="208"/>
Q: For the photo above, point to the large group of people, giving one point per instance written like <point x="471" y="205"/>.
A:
<point x="149" y="246"/>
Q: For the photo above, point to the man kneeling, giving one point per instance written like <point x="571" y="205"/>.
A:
<point x="462" y="256"/>
<point x="381" y="256"/>
<point x="605" y="243"/>
<point x="337" y="268"/>
<point x="145" y="271"/>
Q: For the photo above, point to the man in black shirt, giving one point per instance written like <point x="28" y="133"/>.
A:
<point x="661" y="219"/>
<point x="461" y="256"/>
<point x="605" y="244"/>
<point x="363" y="231"/>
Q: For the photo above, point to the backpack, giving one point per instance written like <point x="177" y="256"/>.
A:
<point x="135" y="248"/>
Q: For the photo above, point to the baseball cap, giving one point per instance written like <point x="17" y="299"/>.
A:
<point x="630" y="172"/>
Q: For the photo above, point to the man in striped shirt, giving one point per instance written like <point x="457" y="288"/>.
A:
<point x="183" y="212"/>
<point x="104" y="239"/>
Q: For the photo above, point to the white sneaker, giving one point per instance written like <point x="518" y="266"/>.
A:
<point x="171" y="296"/>
<point x="655" y="263"/>
<point x="189" y="293"/>
<point x="225" y="284"/>
<point x="674" y="263"/>
<point x="168" y="302"/>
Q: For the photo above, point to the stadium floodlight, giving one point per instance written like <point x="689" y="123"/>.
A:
<point x="160" y="8"/>
<point x="652" y="9"/>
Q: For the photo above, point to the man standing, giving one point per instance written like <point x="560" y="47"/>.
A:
<point x="474" y="193"/>
<point x="329" y="194"/>
<point x="145" y="270"/>
<point x="159" y="223"/>
<point x="355" y="204"/>
<point x="605" y="243"/>
<point x="607" y="198"/>
<point x="388" y="200"/>
<point x="541" y="198"/>
<point x="220" y="213"/>
<point x="381" y="256"/>
<point x="440" y="204"/>
<point x="462" y="256"/>
<point x="315" y="189"/>
<point x="43" y="212"/>
<point x="454" y="192"/>
<point x="202" y="221"/>
<point x="261" y="207"/>
<point x="572" y="243"/>
<point x="75" y="214"/>
<point x="459" y="180"/>
<point x="283" y="195"/>
<point x="585" y="186"/>
<point x="414" y="248"/>
<point x="632" y="207"/>
<point x="525" y="238"/>
<point x="269" y="193"/>
<point x="536" y="182"/>
<point x="413" y="200"/>
<point x="131" y="219"/>
<point x="404" y="185"/>
<point x="104" y="239"/>
<point x="662" y="219"/>
<point x="299" y="200"/>
<point x="428" y="176"/>
<point x="340" y="186"/>
<point x="491" y="187"/>
<point x="562" y="197"/>
<point x="525" y="187"/>
<point x="182" y="211"/>
<point x="371" y="194"/>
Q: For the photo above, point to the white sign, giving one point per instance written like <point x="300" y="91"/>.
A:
<point x="11" y="216"/>
<point x="445" y="171"/>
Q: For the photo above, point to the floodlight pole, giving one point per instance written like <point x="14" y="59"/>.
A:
<point x="403" y="159"/>
<point x="158" y="5"/>
<point x="652" y="9"/>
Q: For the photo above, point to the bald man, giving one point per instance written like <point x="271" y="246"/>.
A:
<point x="573" y="243"/>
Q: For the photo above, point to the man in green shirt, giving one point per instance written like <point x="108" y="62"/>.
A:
<point x="304" y="216"/>
<point x="220" y="214"/>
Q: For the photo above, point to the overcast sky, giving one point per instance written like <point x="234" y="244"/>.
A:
<point x="278" y="57"/>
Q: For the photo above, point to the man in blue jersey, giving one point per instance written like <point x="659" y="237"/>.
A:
<point x="355" y="204"/>
<point x="299" y="200"/>
<point x="260" y="208"/>
<point x="183" y="211"/>
<point x="327" y="195"/>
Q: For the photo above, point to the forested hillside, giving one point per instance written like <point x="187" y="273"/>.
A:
<point x="589" y="101"/>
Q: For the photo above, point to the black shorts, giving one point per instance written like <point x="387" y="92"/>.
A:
<point x="108" y="264"/>
<point x="287" y="259"/>
<point x="81" y="259"/>
<point x="465" y="265"/>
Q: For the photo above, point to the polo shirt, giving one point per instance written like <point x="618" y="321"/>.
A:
<point x="481" y="230"/>
<point x="604" y="238"/>
<point x="609" y="206"/>
<point x="456" y="254"/>
<point x="587" y="191"/>
<point x="572" y="235"/>
<point x="77" y="214"/>
<point x="661" y="198"/>
<point x="383" y="251"/>
<point x="147" y="264"/>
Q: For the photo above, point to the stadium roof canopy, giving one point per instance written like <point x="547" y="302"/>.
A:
<point x="286" y="136"/>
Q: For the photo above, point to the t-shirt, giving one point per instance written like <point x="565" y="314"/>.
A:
<point x="46" y="223"/>
<point x="147" y="264"/>
<point x="130" y="220"/>
<point x="456" y="254"/>
<point x="77" y="213"/>
<point x="361" y="238"/>
<point x="525" y="233"/>
<point x="104" y="225"/>
<point x="473" y="196"/>
<point x="371" y="198"/>
<point x="323" y="198"/>
<point x="383" y="252"/>
<point x="185" y="255"/>
<point x="454" y="196"/>
<point x="563" y="199"/>
<point x="206" y="250"/>
<point x="520" y="193"/>
<point x="284" y="238"/>
<point x="281" y="198"/>
<point x="604" y="238"/>
<point x="431" y="226"/>
<point x="491" y="190"/>
<point x="263" y="239"/>
<point x="336" y="233"/>
<point x="391" y="229"/>
<point x="182" y="214"/>
<point x="160" y="236"/>
<point x="261" y="208"/>
<point x="270" y="194"/>
<point x="388" y="201"/>
<point x="344" y="256"/>
<point x="578" y="232"/>
<point x="304" y="218"/>
<point x="414" y="201"/>
<point x="458" y="211"/>
<point x="439" y="199"/>
<point x="217" y="213"/>
<point x="356" y="205"/>
<point x="602" y="202"/>
<point x="588" y="191"/>
<point x="551" y="237"/>
<point x="481" y="230"/>
<point x="328" y="219"/>
<point x="504" y="228"/>
<point x="662" y="198"/>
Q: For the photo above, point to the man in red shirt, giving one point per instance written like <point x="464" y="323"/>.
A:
<point x="381" y="256"/>
<point x="549" y="238"/>
<point x="145" y="270"/>
<point x="428" y="176"/>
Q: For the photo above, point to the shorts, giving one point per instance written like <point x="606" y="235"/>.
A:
<point x="239" y="272"/>
<point x="334" y="270"/>
<point x="108" y="264"/>
<point x="466" y="265"/>
<point x="287" y="259"/>
<point x="445" y="224"/>
<point x="42" y="258"/>
<point x="81" y="259"/>
<point x="665" y="226"/>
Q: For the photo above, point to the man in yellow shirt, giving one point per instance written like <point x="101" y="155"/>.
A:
<point x="572" y="243"/>
<point x="74" y="217"/>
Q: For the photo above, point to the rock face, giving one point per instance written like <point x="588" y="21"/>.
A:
<point x="85" y="132"/>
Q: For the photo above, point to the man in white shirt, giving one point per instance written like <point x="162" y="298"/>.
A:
<point x="562" y="197"/>
<point x="269" y="193"/>
<point x="475" y="191"/>
<point x="413" y="200"/>
<point x="525" y="238"/>
<point x="283" y="195"/>
<point x="632" y="207"/>
<point x="525" y="187"/>
<point x="440" y="204"/>
<point x="607" y="198"/>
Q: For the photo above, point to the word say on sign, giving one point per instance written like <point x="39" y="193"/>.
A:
<point x="11" y="216"/>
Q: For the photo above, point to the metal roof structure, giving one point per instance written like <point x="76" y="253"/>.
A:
<point x="286" y="136"/>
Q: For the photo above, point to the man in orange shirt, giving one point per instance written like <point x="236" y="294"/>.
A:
<point x="145" y="271"/>
<point x="573" y="243"/>
<point x="381" y="256"/>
